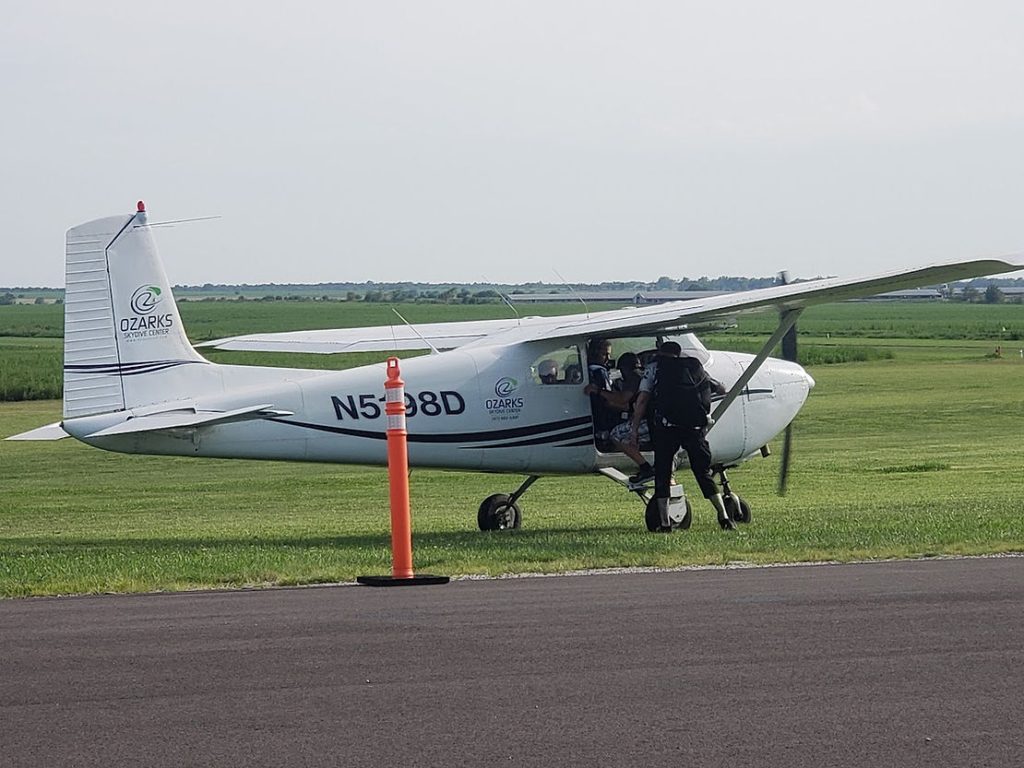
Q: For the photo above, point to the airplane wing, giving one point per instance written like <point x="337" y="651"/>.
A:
<point x="670" y="317"/>
<point x="683" y="316"/>
<point x="382" y="338"/>
<point x="788" y="300"/>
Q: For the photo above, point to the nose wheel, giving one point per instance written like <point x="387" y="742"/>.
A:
<point x="738" y="509"/>
<point x="736" y="506"/>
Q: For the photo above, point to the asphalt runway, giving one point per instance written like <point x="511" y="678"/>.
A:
<point x="883" y="664"/>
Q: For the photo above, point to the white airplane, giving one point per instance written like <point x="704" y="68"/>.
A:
<point x="133" y="383"/>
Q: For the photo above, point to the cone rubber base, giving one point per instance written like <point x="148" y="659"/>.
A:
<point x="419" y="579"/>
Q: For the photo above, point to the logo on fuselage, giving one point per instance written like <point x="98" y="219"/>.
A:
<point x="505" y="386"/>
<point x="504" y="407"/>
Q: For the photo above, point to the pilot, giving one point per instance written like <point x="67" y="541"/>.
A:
<point x="606" y="414"/>
<point x="548" y="371"/>
<point x="599" y="354"/>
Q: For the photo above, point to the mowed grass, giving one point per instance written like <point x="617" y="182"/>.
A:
<point x="912" y="451"/>
<point x="918" y="455"/>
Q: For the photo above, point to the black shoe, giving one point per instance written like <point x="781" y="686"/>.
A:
<point x="663" y="529"/>
<point x="642" y="476"/>
<point x="726" y="523"/>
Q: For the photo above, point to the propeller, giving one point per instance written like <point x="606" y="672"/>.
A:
<point x="789" y="352"/>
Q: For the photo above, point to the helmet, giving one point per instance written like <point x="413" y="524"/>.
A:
<point x="628" y="361"/>
<point x="547" y="368"/>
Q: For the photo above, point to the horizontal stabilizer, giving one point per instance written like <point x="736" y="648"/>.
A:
<point x="49" y="432"/>
<point x="188" y="417"/>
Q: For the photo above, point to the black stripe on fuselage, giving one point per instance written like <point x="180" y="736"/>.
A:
<point x="534" y="434"/>
<point x="131" y="369"/>
<point x="746" y="391"/>
<point x="586" y="432"/>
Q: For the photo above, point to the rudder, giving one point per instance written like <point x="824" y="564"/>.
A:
<point x="120" y="318"/>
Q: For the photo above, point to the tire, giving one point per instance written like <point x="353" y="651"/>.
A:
<point x="652" y="518"/>
<point x="684" y="525"/>
<point x="738" y="509"/>
<point x="497" y="514"/>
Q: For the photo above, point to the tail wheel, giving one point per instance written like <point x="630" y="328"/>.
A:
<point x="496" y="513"/>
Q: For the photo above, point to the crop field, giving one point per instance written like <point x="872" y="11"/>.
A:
<point x="910" y="449"/>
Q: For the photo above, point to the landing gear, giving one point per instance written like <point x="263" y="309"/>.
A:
<point x="738" y="509"/>
<point x="680" y="514"/>
<point x="499" y="511"/>
<point x="680" y="511"/>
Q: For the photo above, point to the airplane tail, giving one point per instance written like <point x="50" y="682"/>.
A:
<point x="120" y="320"/>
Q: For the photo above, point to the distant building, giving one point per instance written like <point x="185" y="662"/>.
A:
<point x="635" y="298"/>
<point x="910" y="294"/>
<point x="1010" y="292"/>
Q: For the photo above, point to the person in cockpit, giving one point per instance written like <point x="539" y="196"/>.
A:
<point x="547" y="370"/>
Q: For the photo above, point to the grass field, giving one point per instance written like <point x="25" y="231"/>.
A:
<point x="917" y="454"/>
<point x="30" y="335"/>
<point x="210" y="320"/>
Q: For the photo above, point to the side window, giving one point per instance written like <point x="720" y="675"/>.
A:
<point x="558" y="366"/>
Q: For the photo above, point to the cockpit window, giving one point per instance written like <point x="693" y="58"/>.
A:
<point x="617" y="365"/>
<point x="560" y="365"/>
<point x="646" y="347"/>
<point x="692" y="347"/>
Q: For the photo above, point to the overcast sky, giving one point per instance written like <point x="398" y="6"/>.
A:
<point x="476" y="141"/>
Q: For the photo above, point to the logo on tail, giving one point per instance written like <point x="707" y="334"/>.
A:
<point x="145" y="324"/>
<point x="145" y="299"/>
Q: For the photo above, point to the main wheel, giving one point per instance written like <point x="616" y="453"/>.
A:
<point x="688" y="517"/>
<point x="497" y="514"/>
<point x="652" y="518"/>
<point x="738" y="509"/>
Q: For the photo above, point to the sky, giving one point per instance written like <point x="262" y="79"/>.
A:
<point x="509" y="142"/>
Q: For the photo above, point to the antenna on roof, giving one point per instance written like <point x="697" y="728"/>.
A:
<point x="508" y="302"/>
<point x="505" y="298"/>
<point x="177" y="221"/>
<point x="573" y="291"/>
<point x="433" y="350"/>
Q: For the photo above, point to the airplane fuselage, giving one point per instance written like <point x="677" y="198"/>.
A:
<point x="475" y="408"/>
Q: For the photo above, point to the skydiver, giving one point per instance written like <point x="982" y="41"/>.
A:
<point x="681" y="430"/>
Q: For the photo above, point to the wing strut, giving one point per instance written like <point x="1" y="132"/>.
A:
<point x="786" y="321"/>
<point x="433" y="349"/>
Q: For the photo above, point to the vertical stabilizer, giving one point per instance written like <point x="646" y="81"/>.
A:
<point x="120" y="319"/>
